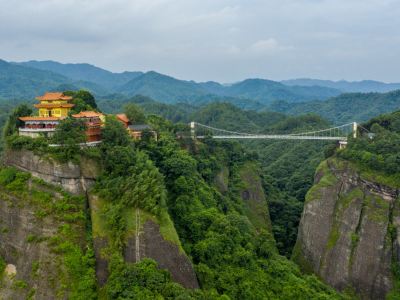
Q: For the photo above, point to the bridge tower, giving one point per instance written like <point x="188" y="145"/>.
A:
<point x="354" y="129"/>
<point x="193" y="130"/>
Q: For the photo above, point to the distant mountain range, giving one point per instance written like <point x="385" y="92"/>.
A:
<point x="84" y="72"/>
<point x="25" y="80"/>
<point x="364" y="86"/>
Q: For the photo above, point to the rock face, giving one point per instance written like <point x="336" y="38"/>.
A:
<point x="347" y="231"/>
<point x="153" y="245"/>
<point x="253" y="197"/>
<point x="74" y="178"/>
<point x="144" y="238"/>
<point x="251" y="192"/>
<point x="34" y="269"/>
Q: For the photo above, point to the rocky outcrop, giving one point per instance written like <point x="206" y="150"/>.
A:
<point x="147" y="236"/>
<point x="74" y="178"/>
<point x="347" y="231"/>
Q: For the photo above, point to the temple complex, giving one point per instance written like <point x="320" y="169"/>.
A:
<point x="54" y="107"/>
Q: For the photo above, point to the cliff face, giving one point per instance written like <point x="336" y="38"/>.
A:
<point x="33" y="232"/>
<point x="253" y="197"/>
<point x="73" y="178"/>
<point x="251" y="192"/>
<point x="146" y="236"/>
<point x="347" y="233"/>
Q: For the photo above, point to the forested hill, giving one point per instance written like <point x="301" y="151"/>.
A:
<point x="23" y="83"/>
<point x="161" y="87"/>
<point x="84" y="72"/>
<point x="346" y="107"/>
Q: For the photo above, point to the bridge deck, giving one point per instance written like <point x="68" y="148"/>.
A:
<point x="278" y="137"/>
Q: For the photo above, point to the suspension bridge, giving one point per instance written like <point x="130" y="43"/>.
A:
<point x="337" y="133"/>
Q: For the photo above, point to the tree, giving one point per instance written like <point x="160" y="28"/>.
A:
<point x="134" y="113"/>
<point x="69" y="134"/>
<point x="83" y="100"/>
<point x="87" y="97"/>
<point x="13" y="122"/>
<point x="114" y="133"/>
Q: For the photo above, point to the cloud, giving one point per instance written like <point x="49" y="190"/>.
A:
<point x="224" y="40"/>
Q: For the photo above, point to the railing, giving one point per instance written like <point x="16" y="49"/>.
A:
<point x="36" y="129"/>
<point x="82" y="145"/>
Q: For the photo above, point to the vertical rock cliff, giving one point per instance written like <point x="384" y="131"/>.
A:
<point x="42" y="240"/>
<point x="72" y="177"/>
<point x="347" y="233"/>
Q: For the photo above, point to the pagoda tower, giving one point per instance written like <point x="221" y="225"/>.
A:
<point x="53" y="107"/>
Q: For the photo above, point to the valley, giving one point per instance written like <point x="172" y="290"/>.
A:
<point x="204" y="217"/>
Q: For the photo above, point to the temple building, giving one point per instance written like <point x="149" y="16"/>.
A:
<point x="52" y="108"/>
<point x="135" y="130"/>
<point x="93" y="121"/>
<point x="54" y="105"/>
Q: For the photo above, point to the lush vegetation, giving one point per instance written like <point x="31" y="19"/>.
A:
<point x="288" y="167"/>
<point x="225" y="246"/>
<point x="83" y="100"/>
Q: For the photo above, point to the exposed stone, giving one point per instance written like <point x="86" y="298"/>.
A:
<point x="10" y="270"/>
<point x="343" y="233"/>
<point x="74" y="178"/>
<point x="21" y="254"/>
<point x="148" y="242"/>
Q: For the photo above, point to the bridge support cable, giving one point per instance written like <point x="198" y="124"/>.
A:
<point x="337" y="133"/>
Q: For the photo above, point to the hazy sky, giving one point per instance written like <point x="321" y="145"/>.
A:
<point x="218" y="40"/>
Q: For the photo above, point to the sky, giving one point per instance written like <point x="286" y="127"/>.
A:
<point x="220" y="40"/>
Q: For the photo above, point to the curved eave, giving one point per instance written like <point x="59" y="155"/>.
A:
<point x="54" y="105"/>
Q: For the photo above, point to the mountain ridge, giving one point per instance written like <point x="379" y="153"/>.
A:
<point x="364" y="86"/>
<point x="168" y="89"/>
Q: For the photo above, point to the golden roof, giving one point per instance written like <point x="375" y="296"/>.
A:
<point x="51" y="105"/>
